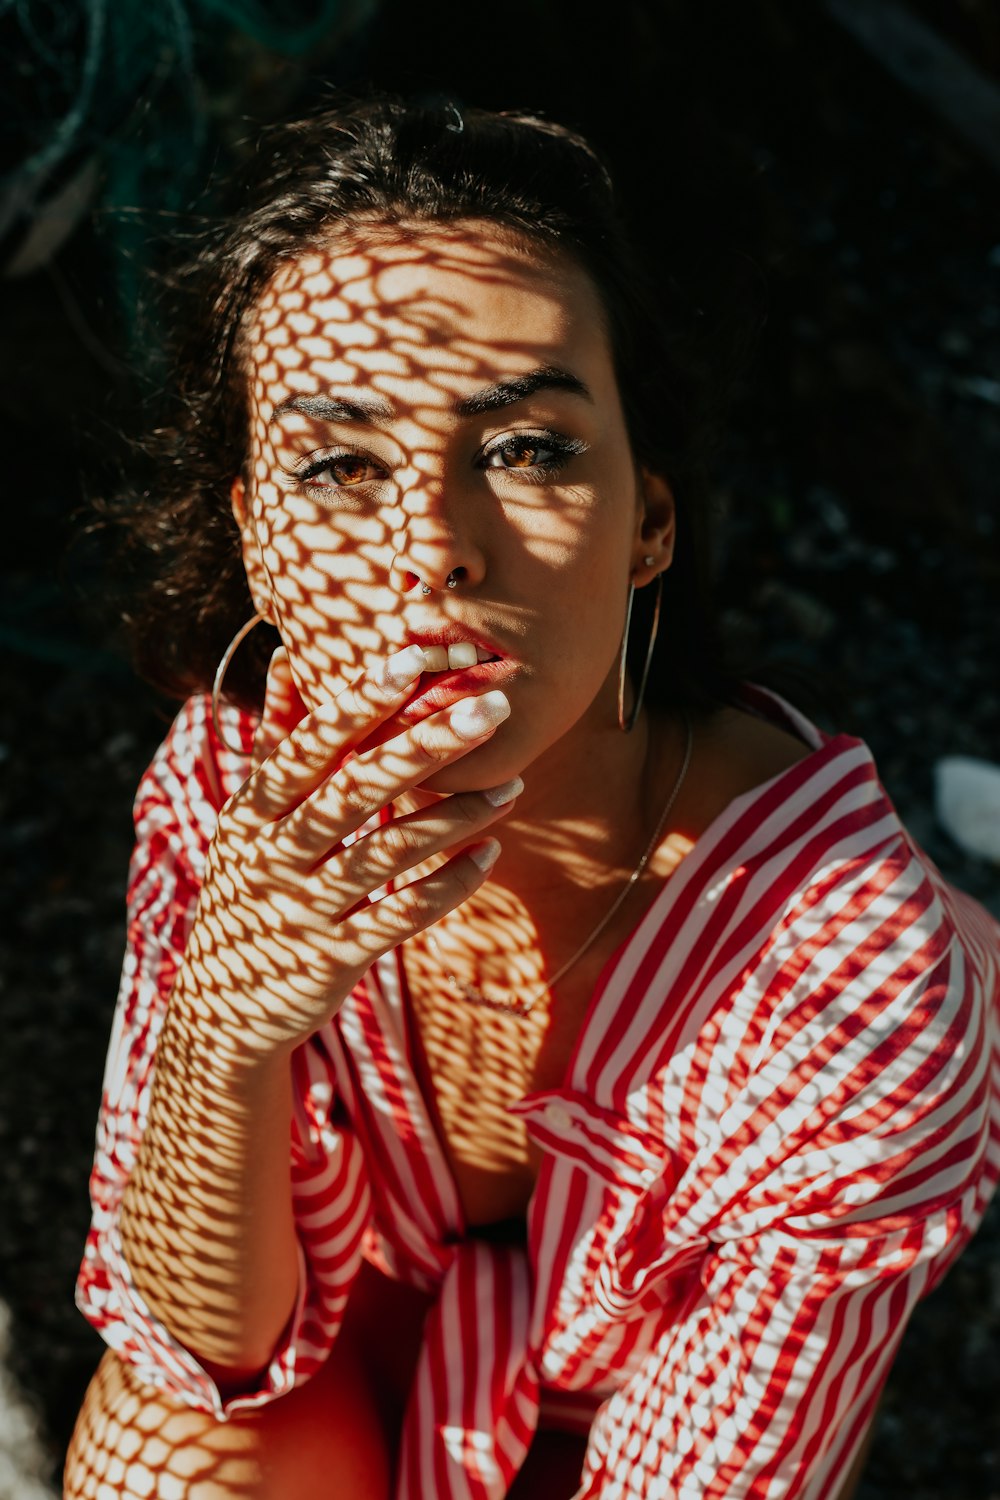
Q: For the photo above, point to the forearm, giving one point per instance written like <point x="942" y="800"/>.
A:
<point x="207" y="1225"/>
<point x="284" y="929"/>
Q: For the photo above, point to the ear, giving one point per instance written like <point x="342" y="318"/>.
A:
<point x="656" y="529"/>
<point x="253" y="562"/>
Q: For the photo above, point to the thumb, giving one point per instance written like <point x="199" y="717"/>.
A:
<point x="283" y="708"/>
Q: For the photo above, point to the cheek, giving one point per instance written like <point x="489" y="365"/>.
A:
<point x="590" y="637"/>
<point x="589" y="600"/>
<point x="328" y="577"/>
<point x="592" y="578"/>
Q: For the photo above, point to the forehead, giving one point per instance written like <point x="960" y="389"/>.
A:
<point x="423" y="318"/>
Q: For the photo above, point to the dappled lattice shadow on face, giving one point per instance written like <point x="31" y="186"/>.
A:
<point x="403" y="334"/>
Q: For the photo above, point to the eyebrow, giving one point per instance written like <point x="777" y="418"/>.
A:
<point x="367" y="408"/>
<point x="518" y="387"/>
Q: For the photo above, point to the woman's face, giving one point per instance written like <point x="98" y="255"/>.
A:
<point x="445" y="404"/>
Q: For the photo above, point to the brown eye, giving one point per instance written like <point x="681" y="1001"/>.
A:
<point x="341" y="471"/>
<point x="352" y="469"/>
<point x="521" y="453"/>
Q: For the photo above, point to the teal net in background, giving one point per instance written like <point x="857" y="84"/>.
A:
<point x="119" y="107"/>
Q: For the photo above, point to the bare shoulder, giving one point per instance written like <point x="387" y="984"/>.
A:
<point x="749" y="750"/>
<point x="734" y="752"/>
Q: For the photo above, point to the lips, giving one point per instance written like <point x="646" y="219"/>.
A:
<point x="436" y="690"/>
<point x="462" y="663"/>
<point x="458" y="661"/>
<point x="449" y="634"/>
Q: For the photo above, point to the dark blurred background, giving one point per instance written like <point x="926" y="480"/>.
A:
<point x="826" y="173"/>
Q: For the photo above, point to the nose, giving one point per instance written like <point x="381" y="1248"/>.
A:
<point x="435" y="545"/>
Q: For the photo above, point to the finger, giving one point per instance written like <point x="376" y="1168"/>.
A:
<point x="382" y="925"/>
<point x="321" y="740"/>
<point x="368" y="782"/>
<point x="283" y="708"/>
<point x="393" y="849"/>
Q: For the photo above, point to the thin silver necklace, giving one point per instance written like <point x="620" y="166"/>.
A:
<point x="523" y="1007"/>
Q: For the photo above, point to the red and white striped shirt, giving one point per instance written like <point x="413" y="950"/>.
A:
<point x="780" y="1125"/>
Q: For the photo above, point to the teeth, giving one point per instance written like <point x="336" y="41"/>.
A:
<point x="461" y="654"/>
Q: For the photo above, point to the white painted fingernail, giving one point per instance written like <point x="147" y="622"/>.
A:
<point x="399" y="670"/>
<point x="472" y="717"/>
<point x="485" y="855"/>
<point x="278" y="664"/>
<point x="499" y="796"/>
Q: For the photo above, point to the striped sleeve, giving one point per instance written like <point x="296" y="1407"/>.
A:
<point x="850" y="1163"/>
<point x="176" y="809"/>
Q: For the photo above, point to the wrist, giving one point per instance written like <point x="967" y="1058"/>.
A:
<point x="206" y="1034"/>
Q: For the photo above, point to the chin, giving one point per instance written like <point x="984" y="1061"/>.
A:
<point x="488" y="765"/>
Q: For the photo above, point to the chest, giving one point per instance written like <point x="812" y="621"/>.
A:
<point x="474" y="1063"/>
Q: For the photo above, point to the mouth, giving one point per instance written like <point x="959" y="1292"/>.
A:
<point x="455" y="670"/>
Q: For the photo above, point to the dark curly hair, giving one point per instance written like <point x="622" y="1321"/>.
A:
<point x="386" y="161"/>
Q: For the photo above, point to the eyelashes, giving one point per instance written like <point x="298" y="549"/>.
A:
<point x="526" y="448"/>
<point x="534" y="457"/>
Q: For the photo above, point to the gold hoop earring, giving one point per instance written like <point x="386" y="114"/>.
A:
<point x="627" y="728"/>
<point x="220" y="673"/>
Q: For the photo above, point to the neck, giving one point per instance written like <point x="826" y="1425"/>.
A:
<point x="582" y="826"/>
<point x="582" y="820"/>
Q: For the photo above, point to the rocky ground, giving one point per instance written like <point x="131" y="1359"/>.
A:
<point x="860" y="549"/>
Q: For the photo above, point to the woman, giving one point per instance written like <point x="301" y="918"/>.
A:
<point x="635" y="1064"/>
